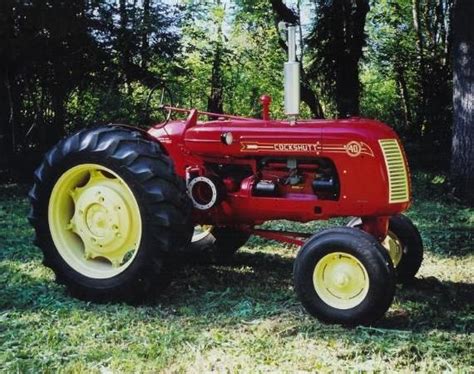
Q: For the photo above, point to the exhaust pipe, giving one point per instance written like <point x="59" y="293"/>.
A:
<point x="292" y="77"/>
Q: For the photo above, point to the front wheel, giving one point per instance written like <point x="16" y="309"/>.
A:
<point x="344" y="276"/>
<point x="108" y="210"/>
<point x="404" y="245"/>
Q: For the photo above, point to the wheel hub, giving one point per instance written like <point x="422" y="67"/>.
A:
<point x="94" y="220"/>
<point x="340" y="280"/>
<point x="102" y="218"/>
<point x="394" y="247"/>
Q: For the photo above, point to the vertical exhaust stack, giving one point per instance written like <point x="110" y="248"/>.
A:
<point x="292" y="78"/>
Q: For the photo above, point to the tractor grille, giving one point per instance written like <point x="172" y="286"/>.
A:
<point x="396" y="169"/>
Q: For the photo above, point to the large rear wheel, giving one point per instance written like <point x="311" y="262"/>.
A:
<point x="108" y="210"/>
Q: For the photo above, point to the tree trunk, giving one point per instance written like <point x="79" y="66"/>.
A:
<point x="124" y="41"/>
<point x="351" y="33"/>
<point x="7" y="130"/>
<point x="58" y="100"/>
<point x="404" y="95"/>
<point x="462" y="160"/>
<point x="215" y="102"/>
<point x="348" y="88"/>
<point x="6" y="117"/>
<point x="422" y="65"/>
<point x="310" y="99"/>
<point x="145" y="33"/>
<point x="419" y="34"/>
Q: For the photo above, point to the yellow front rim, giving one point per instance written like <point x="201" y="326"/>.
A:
<point x="340" y="280"/>
<point x="94" y="220"/>
<point x="394" y="247"/>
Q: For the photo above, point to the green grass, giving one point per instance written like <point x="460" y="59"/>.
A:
<point x="243" y="316"/>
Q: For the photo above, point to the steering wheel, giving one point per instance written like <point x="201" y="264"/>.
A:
<point x="154" y="110"/>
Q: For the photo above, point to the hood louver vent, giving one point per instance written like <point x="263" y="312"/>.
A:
<point x="397" y="171"/>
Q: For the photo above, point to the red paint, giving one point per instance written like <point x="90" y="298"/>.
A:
<point x="289" y="237"/>
<point x="350" y="144"/>
<point x="266" y="101"/>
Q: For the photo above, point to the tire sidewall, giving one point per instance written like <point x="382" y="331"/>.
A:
<point x="377" y="266"/>
<point x="164" y="208"/>
<point x="141" y="261"/>
<point x="412" y="247"/>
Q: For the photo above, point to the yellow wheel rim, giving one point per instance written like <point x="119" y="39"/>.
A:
<point x="200" y="232"/>
<point x="394" y="247"/>
<point x="340" y="280"/>
<point x="94" y="220"/>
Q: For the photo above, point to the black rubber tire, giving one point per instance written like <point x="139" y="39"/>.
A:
<point x="373" y="257"/>
<point x="164" y="207"/>
<point x="412" y="244"/>
<point x="223" y="242"/>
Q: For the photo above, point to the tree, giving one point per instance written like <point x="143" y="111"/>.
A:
<point x="431" y="26"/>
<point x="391" y="63"/>
<point x="462" y="161"/>
<point x="46" y="52"/>
<point x="215" y="102"/>
<point x="7" y="135"/>
<point x="336" y="47"/>
<point x="308" y="95"/>
<point x="65" y="64"/>
<point x="256" y="68"/>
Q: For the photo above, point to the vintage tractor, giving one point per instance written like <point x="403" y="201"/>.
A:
<point x="113" y="205"/>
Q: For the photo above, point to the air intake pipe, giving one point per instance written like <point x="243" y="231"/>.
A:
<point x="292" y="77"/>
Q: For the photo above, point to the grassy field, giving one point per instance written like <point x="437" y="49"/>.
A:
<point x="243" y="316"/>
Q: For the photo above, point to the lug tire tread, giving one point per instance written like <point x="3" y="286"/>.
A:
<point x="164" y="205"/>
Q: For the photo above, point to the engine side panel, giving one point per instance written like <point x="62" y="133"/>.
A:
<point x="258" y="153"/>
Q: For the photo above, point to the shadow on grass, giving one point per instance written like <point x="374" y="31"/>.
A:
<point x="427" y="303"/>
<point x="254" y="285"/>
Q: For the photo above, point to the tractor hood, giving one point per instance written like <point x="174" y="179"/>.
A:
<point x="367" y="154"/>
<point x="353" y="136"/>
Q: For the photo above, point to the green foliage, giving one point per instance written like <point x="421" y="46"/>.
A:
<point x="66" y="65"/>
<point x="57" y="56"/>
<point x="251" y="59"/>
<point x="409" y="45"/>
<point x="380" y="99"/>
<point x="257" y="70"/>
<point x="242" y="316"/>
<point x="335" y="48"/>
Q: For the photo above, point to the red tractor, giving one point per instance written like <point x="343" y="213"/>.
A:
<point x="113" y="205"/>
